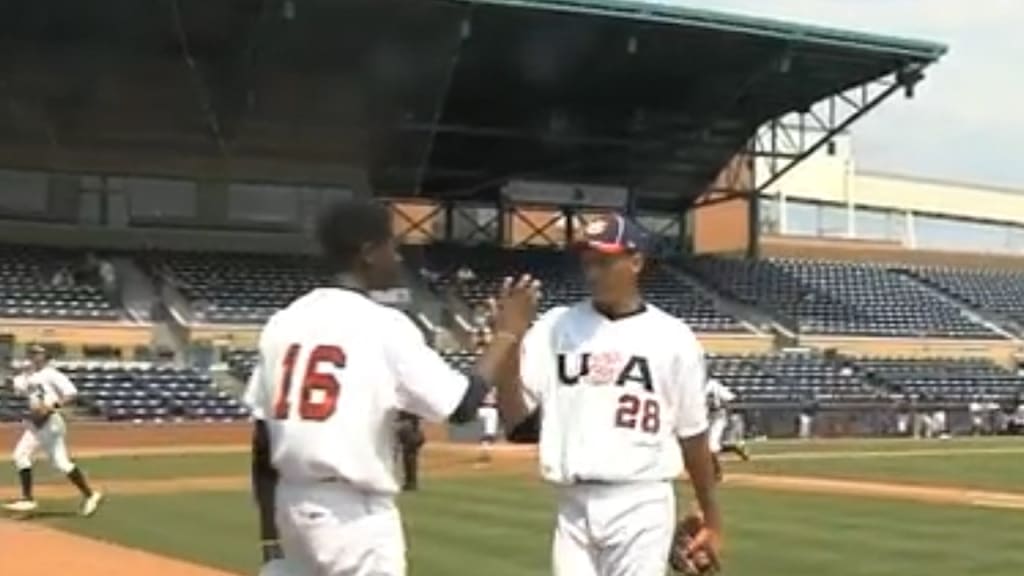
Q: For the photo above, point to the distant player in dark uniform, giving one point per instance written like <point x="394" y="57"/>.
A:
<point x="410" y="441"/>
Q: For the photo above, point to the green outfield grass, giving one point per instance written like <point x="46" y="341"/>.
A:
<point x="993" y="464"/>
<point x="983" y="471"/>
<point x="859" y="445"/>
<point x="155" y="467"/>
<point x="501" y="527"/>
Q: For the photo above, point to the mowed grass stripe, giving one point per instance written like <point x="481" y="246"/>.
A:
<point x="215" y="529"/>
<point x="768" y="533"/>
<point x="496" y="526"/>
<point x="778" y="533"/>
<point x="969" y="470"/>
<point x="836" y="445"/>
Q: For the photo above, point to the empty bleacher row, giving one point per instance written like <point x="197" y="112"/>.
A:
<point x="792" y="378"/>
<point x="956" y="380"/>
<point x="804" y="377"/>
<point x="115" y="391"/>
<point x="40" y="283"/>
<point x="820" y="297"/>
<point x="999" y="292"/>
<point x="147" y="392"/>
<point x="563" y="283"/>
<point x="811" y="297"/>
<point x="237" y="288"/>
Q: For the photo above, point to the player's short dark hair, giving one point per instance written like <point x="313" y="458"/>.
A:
<point x="344" y="227"/>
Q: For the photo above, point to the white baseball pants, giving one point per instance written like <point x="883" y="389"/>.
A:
<point x="332" y="529"/>
<point x="488" y="416"/>
<point x="716" y="432"/>
<point x="49" y="438"/>
<point x="614" y="529"/>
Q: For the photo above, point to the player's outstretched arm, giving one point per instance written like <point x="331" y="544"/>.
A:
<point x="513" y="312"/>
<point x="430" y="388"/>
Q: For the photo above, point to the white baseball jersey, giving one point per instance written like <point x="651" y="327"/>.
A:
<point x="615" y="395"/>
<point x="46" y="387"/>
<point x="334" y="368"/>
<point x="719" y="395"/>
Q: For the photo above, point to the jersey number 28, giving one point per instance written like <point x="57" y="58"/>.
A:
<point x="318" y="395"/>
<point x="634" y="413"/>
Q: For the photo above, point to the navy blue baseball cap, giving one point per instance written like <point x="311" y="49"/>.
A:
<point x="613" y="234"/>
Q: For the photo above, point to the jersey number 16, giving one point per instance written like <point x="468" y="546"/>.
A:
<point x="318" y="395"/>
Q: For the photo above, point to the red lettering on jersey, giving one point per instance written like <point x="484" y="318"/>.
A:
<point x="281" y="405"/>
<point x="318" y="396"/>
<point x="651" y="421"/>
<point x="326" y="384"/>
<point x="633" y="409"/>
<point x="629" y="406"/>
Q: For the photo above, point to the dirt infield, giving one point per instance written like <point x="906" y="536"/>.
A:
<point x="45" y="551"/>
<point x="91" y="436"/>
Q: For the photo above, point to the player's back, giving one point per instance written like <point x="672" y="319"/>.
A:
<point x="329" y="395"/>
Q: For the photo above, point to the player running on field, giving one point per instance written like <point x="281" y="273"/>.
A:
<point x="719" y="398"/>
<point x="612" y="386"/>
<point x="334" y="369"/>
<point x="47" y="390"/>
<point x="488" y="417"/>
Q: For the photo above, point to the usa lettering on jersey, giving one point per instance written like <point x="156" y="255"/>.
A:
<point x="605" y="368"/>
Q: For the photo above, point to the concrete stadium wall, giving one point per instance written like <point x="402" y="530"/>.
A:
<point x="49" y="234"/>
<point x="871" y="251"/>
<point x="831" y="175"/>
<point x="1002" y="352"/>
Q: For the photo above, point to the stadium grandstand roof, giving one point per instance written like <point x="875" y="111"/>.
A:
<point x="439" y="97"/>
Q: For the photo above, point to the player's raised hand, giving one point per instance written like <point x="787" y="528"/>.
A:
<point x="515" y="306"/>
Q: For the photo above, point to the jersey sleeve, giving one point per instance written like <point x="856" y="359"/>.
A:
<point x="427" y="385"/>
<point x="727" y="394"/>
<point x="255" y="396"/>
<point x="20" y="384"/>
<point x="690" y="388"/>
<point x="62" y="384"/>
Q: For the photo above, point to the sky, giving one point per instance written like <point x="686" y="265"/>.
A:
<point x="966" y="121"/>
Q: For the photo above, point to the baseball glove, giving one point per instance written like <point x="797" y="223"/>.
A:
<point x="682" y="559"/>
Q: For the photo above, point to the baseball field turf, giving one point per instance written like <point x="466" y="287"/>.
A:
<point x="903" y="508"/>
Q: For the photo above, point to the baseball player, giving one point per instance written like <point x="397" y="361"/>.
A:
<point x="334" y="369"/>
<point x="488" y="417"/>
<point x="719" y="396"/>
<point x="47" y="390"/>
<point x="612" y="386"/>
<point x="410" y="441"/>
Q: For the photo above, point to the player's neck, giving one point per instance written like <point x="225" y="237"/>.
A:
<point x="350" y="281"/>
<point x="624" y="308"/>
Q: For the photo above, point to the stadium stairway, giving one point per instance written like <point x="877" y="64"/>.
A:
<point x="1002" y="320"/>
<point x="137" y="292"/>
<point x="993" y="322"/>
<point x="751" y="317"/>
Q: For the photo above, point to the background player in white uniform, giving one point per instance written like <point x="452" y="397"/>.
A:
<point x="719" y="397"/>
<point x="334" y="369"/>
<point x="612" y="386"/>
<point x="488" y="416"/>
<point x="47" y="390"/>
